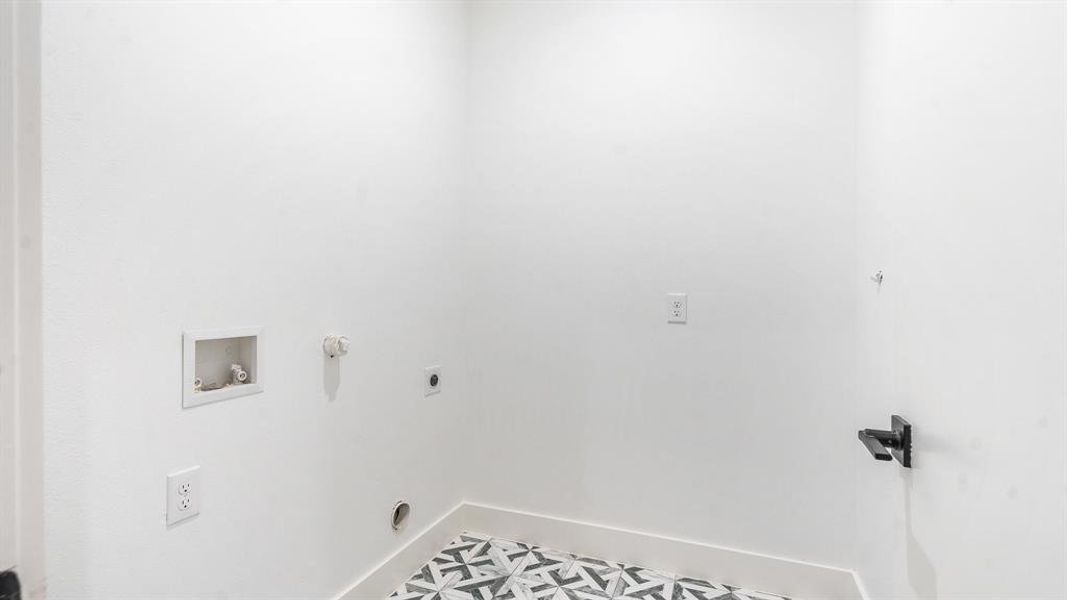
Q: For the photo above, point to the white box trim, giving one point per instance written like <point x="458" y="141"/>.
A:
<point x="191" y="398"/>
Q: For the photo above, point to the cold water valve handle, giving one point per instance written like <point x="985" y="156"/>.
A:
<point x="887" y="445"/>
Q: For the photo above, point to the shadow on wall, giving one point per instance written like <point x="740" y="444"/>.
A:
<point x="331" y="377"/>
<point x="921" y="573"/>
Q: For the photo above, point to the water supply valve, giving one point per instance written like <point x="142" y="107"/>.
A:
<point x="335" y="345"/>
<point x="238" y="375"/>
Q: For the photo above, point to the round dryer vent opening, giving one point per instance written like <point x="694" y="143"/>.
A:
<point x="399" y="516"/>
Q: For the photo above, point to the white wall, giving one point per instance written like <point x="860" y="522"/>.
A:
<point x="295" y="166"/>
<point x="8" y="270"/>
<point x="621" y="151"/>
<point x="510" y="189"/>
<point x="961" y="203"/>
<point x="21" y="444"/>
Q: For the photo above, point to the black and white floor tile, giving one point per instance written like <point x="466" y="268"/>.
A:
<point x="639" y="583"/>
<point x="476" y="567"/>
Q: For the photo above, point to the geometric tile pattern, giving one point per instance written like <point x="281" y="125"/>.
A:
<point x="477" y="567"/>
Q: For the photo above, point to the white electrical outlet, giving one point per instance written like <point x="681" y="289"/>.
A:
<point x="431" y="380"/>
<point x="183" y="495"/>
<point x="677" y="308"/>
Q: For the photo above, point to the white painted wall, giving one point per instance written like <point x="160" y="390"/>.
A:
<point x="290" y="165"/>
<point x="509" y="189"/>
<point x="21" y="444"/>
<point x="8" y="271"/>
<point x="962" y="204"/>
<point x="621" y="151"/>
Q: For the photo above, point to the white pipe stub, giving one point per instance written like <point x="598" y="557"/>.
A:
<point x="335" y="345"/>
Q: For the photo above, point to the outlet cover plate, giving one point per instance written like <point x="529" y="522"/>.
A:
<point x="677" y="308"/>
<point x="183" y="495"/>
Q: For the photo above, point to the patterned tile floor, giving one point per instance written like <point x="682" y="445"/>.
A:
<point x="475" y="567"/>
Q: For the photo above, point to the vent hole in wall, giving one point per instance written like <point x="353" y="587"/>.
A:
<point x="399" y="517"/>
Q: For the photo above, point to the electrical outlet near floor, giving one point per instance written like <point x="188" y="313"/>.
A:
<point x="677" y="308"/>
<point x="431" y="380"/>
<point x="183" y="495"/>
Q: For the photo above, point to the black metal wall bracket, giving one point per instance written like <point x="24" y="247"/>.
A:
<point x="887" y="445"/>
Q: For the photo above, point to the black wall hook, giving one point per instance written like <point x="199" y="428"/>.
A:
<point x="887" y="445"/>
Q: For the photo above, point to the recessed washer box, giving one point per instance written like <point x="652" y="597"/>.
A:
<point x="213" y="361"/>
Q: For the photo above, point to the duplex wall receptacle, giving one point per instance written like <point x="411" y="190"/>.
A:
<point x="677" y="308"/>
<point x="183" y="495"/>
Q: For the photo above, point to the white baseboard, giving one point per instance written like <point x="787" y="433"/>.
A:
<point x="383" y="579"/>
<point x="725" y="565"/>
